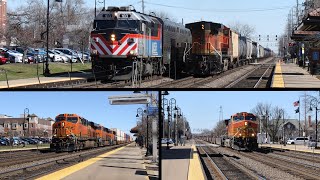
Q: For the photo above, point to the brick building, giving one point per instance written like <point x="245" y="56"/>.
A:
<point x="31" y="126"/>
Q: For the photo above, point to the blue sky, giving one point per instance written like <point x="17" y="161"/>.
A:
<point x="202" y="108"/>
<point x="265" y="22"/>
<point x="93" y="106"/>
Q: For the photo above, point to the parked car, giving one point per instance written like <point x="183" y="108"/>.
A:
<point x="3" y="142"/>
<point x="3" y="60"/>
<point x="59" y="56"/>
<point x="85" y="56"/>
<point x="165" y="140"/>
<point x="69" y="53"/>
<point x="15" y="56"/>
<point x="298" y="140"/>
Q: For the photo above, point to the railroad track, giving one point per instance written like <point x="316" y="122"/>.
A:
<point x="259" y="77"/>
<point x="314" y="158"/>
<point x="51" y="164"/>
<point x="192" y="82"/>
<point x="301" y="170"/>
<point x="222" y="167"/>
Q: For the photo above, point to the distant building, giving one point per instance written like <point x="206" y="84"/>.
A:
<point x="31" y="126"/>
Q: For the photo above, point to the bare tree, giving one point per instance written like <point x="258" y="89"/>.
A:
<point x="243" y="29"/>
<point x="220" y="129"/>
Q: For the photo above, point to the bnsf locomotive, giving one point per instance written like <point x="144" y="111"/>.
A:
<point x="124" y="41"/>
<point x="72" y="132"/>
<point x="123" y="38"/>
<point x="241" y="134"/>
<point x="217" y="48"/>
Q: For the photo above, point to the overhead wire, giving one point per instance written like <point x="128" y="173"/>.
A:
<point x="222" y="10"/>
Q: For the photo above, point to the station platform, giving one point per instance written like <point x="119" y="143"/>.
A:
<point x="80" y="76"/>
<point x="292" y="147"/>
<point x="290" y="75"/>
<point x="181" y="163"/>
<point x="120" y="164"/>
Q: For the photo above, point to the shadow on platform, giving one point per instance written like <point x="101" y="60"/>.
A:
<point x="175" y="153"/>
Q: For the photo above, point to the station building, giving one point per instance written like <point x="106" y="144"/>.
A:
<point x="29" y="126"/>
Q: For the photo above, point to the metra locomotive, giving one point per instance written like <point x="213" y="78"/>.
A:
<point x="122" y="36"/>
<point x="72" y="132"/>
<point x="124" y="40"/>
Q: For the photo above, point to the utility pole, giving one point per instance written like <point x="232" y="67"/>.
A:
<point x="297" y="13"/>
<point x="220" y="114"/>
<point x="305" y="115"/>
<point x="142" y="1"/>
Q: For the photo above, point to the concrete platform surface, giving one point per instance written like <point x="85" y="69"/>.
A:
<point x="181" y="163"/>
<point x="289" y="75"/>
<point x="121" y="164"/>
<point x="292" y="147"/>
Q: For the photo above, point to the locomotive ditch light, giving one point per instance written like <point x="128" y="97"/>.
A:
<point x="252" y="135"/>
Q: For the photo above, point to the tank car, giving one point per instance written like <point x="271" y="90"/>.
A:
<point x="242" y="131"/>
<point x="124" y="41"/>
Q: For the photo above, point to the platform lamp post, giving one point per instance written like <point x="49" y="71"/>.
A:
<point x="164" y="104"/>
<point x="314" y="104"/>
<point x="178" y="115"/>
<point x="140" y="113"/>
<point x="24" y="116"/>
<point x="172" y="103"/>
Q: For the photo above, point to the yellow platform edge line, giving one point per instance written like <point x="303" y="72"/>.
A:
<point x="72" y="169"/>
<point x="278" y="81"/>
<point x="195" y="168"/>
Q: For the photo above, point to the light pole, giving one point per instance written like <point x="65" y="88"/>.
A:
<point x="46" y="70"/>
<point x="24" y="116"/>
<point x="164" y="104"/>
<point x="141" y="112"/>
<point x="283" y="126"/>
<point x="172" y="103"/>
<point x="95" y="6"/>
<point x="314" y="103"/>
<point x="178" y="115"/>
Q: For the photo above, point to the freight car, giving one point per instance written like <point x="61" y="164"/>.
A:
<point x="72" y="132"/>
<point x="242" y="130"/>
<point x="124" y="40"/>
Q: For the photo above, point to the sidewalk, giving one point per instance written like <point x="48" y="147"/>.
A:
<point x="292" y="147"/>
<point x="44" y="80"/>
<point x="181" y="163"/>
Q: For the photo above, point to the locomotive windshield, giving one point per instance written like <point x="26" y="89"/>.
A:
<point x="61" y="118"/>
<point x="251" y="118"/>
<point x="72" y="119"/>
<point x="121" y="24"/>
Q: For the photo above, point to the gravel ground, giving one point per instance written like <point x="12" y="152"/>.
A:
<point x="297" y="160"/>
<point x="153" y="83"/>
<point x="261" y="169"/>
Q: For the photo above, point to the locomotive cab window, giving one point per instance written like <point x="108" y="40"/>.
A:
<point x="251" y="118"/>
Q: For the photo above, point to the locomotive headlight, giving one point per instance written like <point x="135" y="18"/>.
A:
<point x="240" y="134"/>
<point x="252" y="135"/>
<point x="131" y="52"/>
<point x="246" y="123"/>
<point x="62" y="124"/>
<point x="113" y="37"/>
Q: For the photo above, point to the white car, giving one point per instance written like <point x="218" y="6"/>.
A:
<point x="70" y="57"/>
<point x="298" y="140"/>
<point x="64" y="57"/>
<point x="17" y="57"/>
<point x="56" y="57"/>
